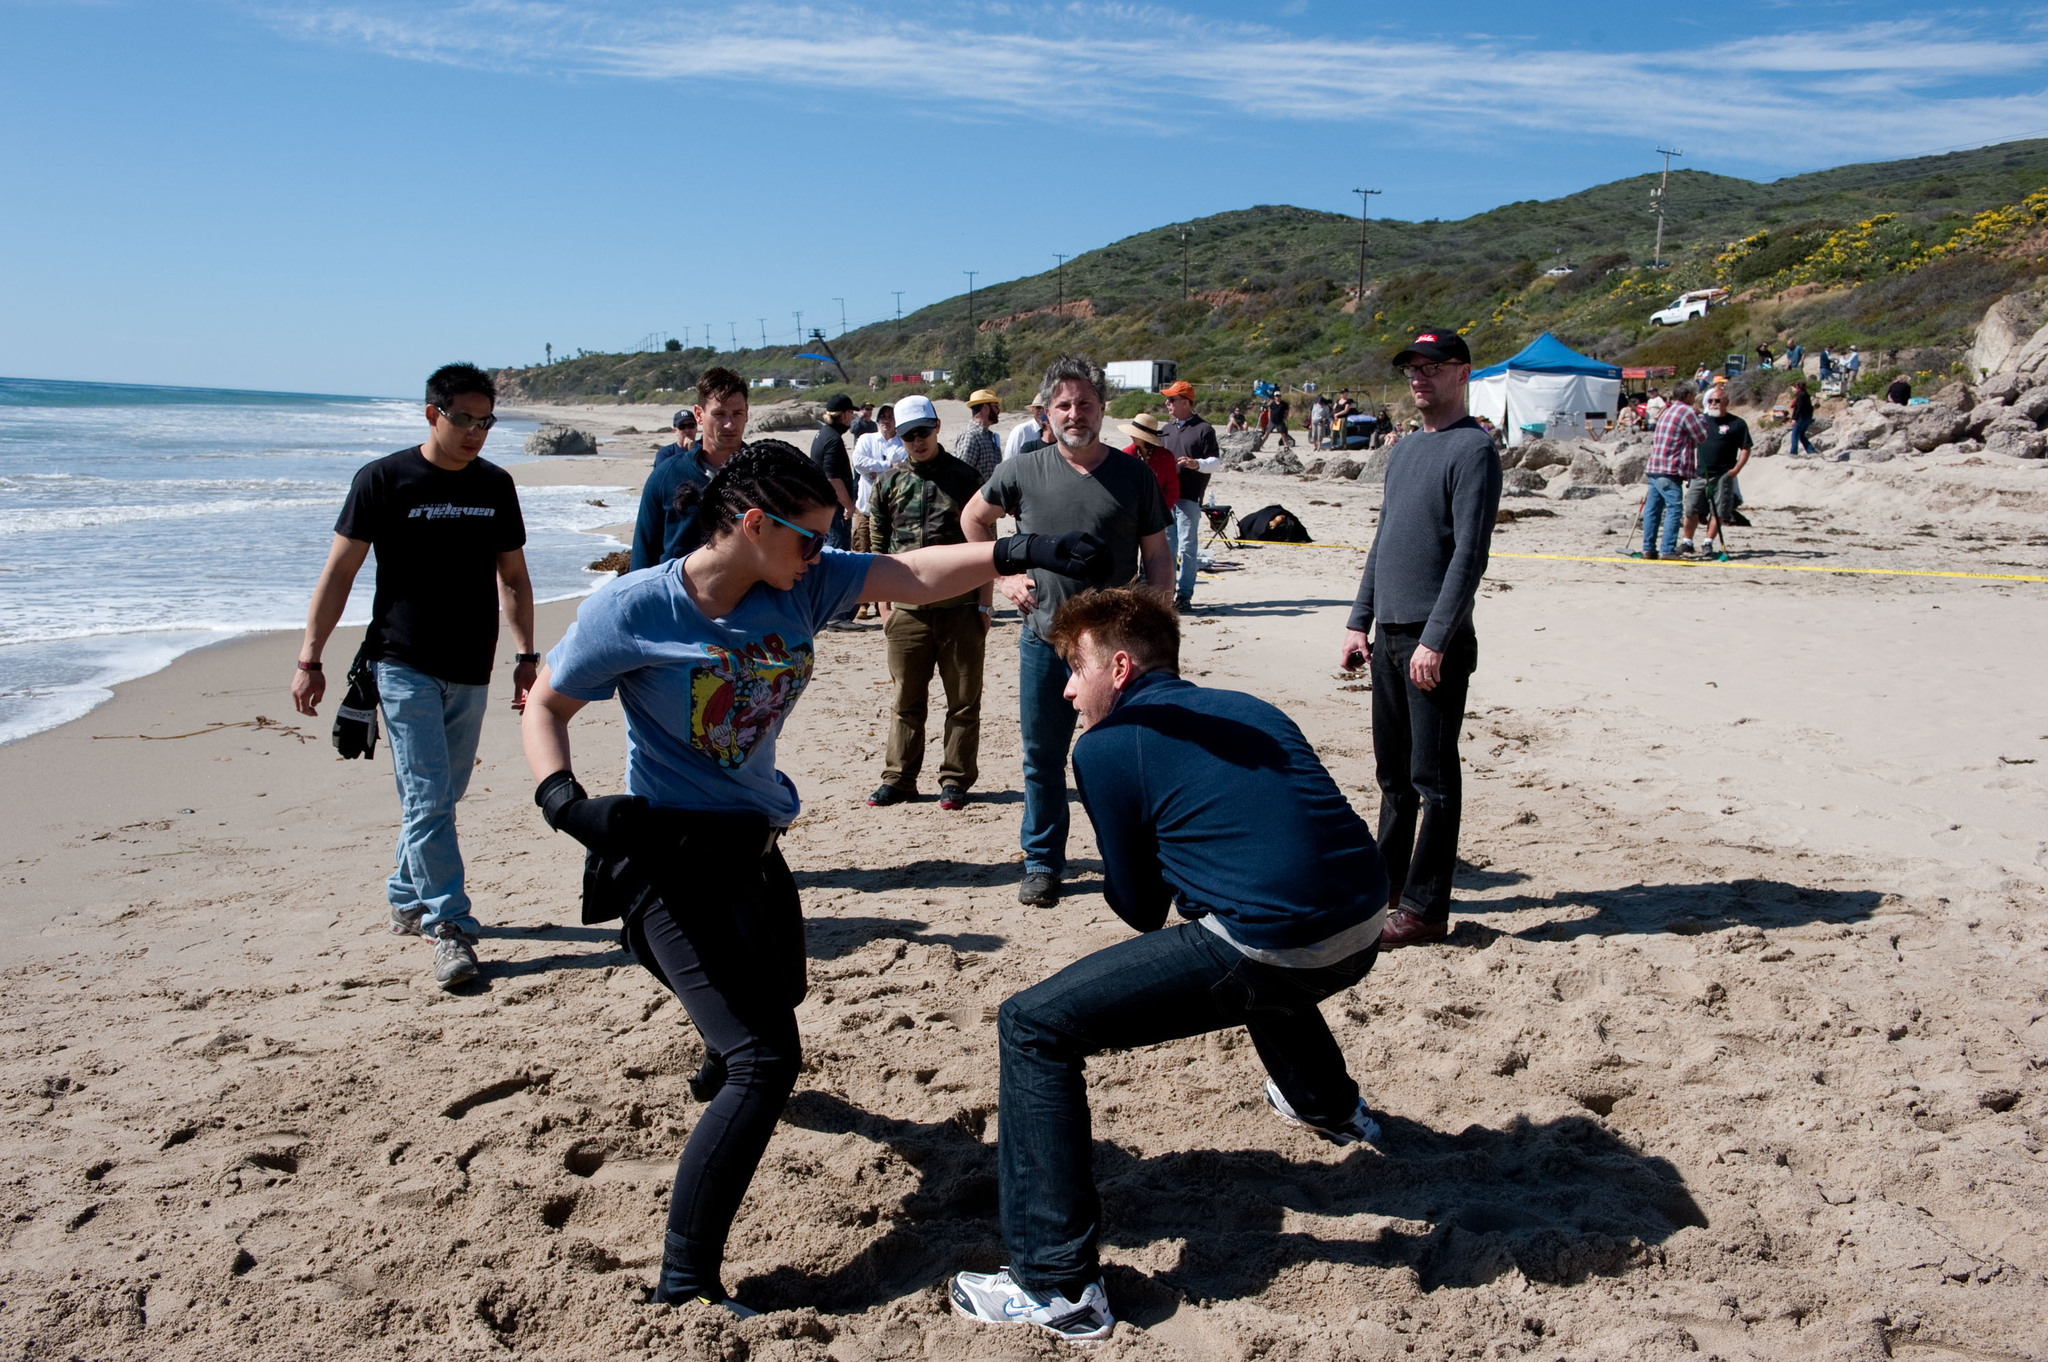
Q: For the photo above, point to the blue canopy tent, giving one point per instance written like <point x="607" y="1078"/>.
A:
<point x="1547" y="377"/>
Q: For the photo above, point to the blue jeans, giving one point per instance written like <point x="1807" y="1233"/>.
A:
<point x="433" y="727"/>
<point x="1798" y="438"/>
<point x="1047" y="720"/>
<point x="1164" y="985"/>
<point x="1663" y="504"/>
<point x="1187" y="543"/>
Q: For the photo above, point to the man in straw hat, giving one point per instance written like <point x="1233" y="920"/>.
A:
<point x="978" y="448"/>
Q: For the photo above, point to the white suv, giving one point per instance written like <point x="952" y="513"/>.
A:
<point x="1689" y="306"/>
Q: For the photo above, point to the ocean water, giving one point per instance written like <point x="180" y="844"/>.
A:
<point x="138" y="523"/>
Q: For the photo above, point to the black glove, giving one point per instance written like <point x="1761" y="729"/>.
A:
<point x="1074" y="554"/>
<point x="355" y="719"/>
<point x="608" y="825"/>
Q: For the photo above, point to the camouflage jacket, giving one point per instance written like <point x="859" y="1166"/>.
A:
<point x="915" y="505"/>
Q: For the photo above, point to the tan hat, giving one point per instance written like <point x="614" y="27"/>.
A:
<point x="1144" y="427"/>
<point x="981" y="395"/>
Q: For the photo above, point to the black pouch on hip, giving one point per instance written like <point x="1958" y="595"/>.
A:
<point x="355" y="722"/>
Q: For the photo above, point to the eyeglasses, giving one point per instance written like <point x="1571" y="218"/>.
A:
<point x="921" y="433"/>
<point x="814" y="540"/>
<point x="462" y="420"/>
<point x="1430" y="370"/>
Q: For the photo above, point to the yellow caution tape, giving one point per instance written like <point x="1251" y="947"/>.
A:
<point x="1690" y="562"/>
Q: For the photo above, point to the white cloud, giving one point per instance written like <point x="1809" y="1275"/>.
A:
<point x="1790" y="99"/>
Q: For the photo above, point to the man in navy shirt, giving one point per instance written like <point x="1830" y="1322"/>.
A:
<point x="1283" y="905"/>
<point x="685" y="424"/>
<point x="661" y="532"/>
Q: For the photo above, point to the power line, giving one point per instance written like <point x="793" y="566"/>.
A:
<point x="1364" y="212"/>
<point x="1657" y="196"/>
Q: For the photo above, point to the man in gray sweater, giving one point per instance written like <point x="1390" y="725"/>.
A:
<point x="1436" y="524"/>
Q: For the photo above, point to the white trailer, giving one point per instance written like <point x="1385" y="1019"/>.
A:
<point x="1141" y="375"/>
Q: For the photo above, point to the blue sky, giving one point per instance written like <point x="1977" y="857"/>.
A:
<point x="338" y="196"/>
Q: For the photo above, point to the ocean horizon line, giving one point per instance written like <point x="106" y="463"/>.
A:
<point x="195" y="394"/>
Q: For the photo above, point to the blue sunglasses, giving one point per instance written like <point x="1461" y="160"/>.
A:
<point x="814" y="540"/>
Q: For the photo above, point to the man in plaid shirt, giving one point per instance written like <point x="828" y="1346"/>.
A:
<point x="1673" y="459"/>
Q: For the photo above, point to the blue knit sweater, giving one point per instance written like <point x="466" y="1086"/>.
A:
<point x="1212" y="799"/>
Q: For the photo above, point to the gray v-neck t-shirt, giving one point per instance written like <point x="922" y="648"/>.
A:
<point x="1119" y="503"/>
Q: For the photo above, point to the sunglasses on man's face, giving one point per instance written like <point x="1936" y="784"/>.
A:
<point x="462" y="420"/>
<point x="814" y="540"/>
<point x="921" y="433"/>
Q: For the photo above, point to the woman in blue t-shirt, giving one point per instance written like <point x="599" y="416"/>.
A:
<point x="708" y="653"/>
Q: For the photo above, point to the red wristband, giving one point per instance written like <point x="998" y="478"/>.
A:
<point x="309" y="666"/>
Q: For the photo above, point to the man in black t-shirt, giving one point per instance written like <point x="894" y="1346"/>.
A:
<point x="1710" y="496"/>
<point x="450" y="549"/>
<point x="828" y="452"/>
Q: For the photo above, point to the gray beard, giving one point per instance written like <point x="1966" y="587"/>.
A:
<point x="1069" y="440"/>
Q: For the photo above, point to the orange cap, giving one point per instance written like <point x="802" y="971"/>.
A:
<point x="1180" y="389"/>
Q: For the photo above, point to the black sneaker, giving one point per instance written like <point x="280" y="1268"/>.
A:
<point x="1039" y="889"/>
<point x="885" y="795"/>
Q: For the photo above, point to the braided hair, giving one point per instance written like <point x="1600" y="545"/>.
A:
<point x="773" y="475"/>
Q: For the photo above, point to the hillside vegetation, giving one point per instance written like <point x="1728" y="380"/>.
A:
<point x="1893" y="256"/>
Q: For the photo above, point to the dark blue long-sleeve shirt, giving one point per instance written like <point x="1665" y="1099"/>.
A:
<point x="1214" y="799"/>
<point x="660" y="532"/>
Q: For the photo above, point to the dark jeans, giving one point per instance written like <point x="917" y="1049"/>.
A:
<point x="1047" y="720"/>
<point x="1798" y="438"/>
<point x="1164" y="985"/>
<point x="1415" y="753"/>
<point x="726" y="935"/>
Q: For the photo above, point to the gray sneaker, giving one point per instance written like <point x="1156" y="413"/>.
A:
<point x="406" y="921"/>
<point x="454" y="956"/>
<point x="1038" y="889"/>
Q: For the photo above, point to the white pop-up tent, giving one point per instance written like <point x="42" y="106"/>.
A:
<point x="1548" y="376"/>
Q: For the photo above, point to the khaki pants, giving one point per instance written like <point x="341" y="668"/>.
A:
<point x="950" y="639"/>
<point x="862" y="533"/>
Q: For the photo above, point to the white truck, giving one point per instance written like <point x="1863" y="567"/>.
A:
<point x="1141" y="375"/>
<point x="1689" y="306"/>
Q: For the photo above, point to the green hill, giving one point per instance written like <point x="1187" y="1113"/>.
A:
<point x="1895" y="255"/>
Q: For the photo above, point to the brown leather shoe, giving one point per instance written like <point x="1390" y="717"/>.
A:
<point x="1407" y="928"/>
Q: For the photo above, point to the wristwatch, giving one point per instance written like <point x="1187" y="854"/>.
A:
<point x="525" y="657"/>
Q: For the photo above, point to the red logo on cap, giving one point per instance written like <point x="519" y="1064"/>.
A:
<point x="1427" y="336"/>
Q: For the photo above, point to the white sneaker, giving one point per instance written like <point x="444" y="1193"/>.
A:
<point x="993" y="1298"/>
<point x="406" y="921"/>
<point x="454" y="956"/>
<point x="1359" y="1129"/>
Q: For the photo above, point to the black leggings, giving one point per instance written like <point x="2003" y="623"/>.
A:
<point x="729" y="943"/>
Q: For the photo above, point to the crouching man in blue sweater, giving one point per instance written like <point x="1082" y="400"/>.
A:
<point x="1212" y="801"/>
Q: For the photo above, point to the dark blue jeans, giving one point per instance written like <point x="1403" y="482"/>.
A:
<point x="1798" y="438"/>
<point x="1164" y="985"/>
<point x="1047" y="719"/>
<point x="1415" y="755"/>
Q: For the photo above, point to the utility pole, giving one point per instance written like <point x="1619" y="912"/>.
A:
<point x="1657" y="199"/>
<point x="899" y="307"/>
<point x="1183" y="262"/>
<point x="1060" y="274"/>
<point x="686" y="338"/>
<point x="709" y="344"/>
<point x="799" y="329"/>
<point x="1364" y="211"/>
<point x="970" y="304"/>
<point x="842" y="314"/>
<point x="733" y="329"/>
<point x="764" y="333"/>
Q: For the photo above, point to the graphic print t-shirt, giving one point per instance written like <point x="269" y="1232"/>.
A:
<point x="704" y="698"/>
<point x="437" y="535"/>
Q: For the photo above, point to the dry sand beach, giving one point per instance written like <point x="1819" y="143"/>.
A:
<point x="1737" y="1049"/>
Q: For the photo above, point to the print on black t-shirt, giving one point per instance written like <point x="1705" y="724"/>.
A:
<point x="437" y="535"/>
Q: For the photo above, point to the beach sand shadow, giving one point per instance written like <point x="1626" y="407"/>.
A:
<point x="1558" y="1201"/>
<point x="1671" y="909"/>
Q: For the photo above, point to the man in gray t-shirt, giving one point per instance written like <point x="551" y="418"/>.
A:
<point x="1079" y="483"/>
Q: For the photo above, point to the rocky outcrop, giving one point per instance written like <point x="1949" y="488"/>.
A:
<point x="2013" y="326"/>
<point x="1590" y="470"/>
<point x="1935" y="425"/>
<point x="1521" y="482"/>
<point x="789" y="416"/>
<point x="553" y="439"/>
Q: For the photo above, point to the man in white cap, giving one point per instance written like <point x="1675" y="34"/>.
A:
<point x="1029" y="433"/>
<point x="915" y="504"/>
<point x="978" y="448"/>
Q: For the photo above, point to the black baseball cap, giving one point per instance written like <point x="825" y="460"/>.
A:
<point x="684" y="417"/>
<point x="1438" y="344"/>
<point x="840" y="402"/>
